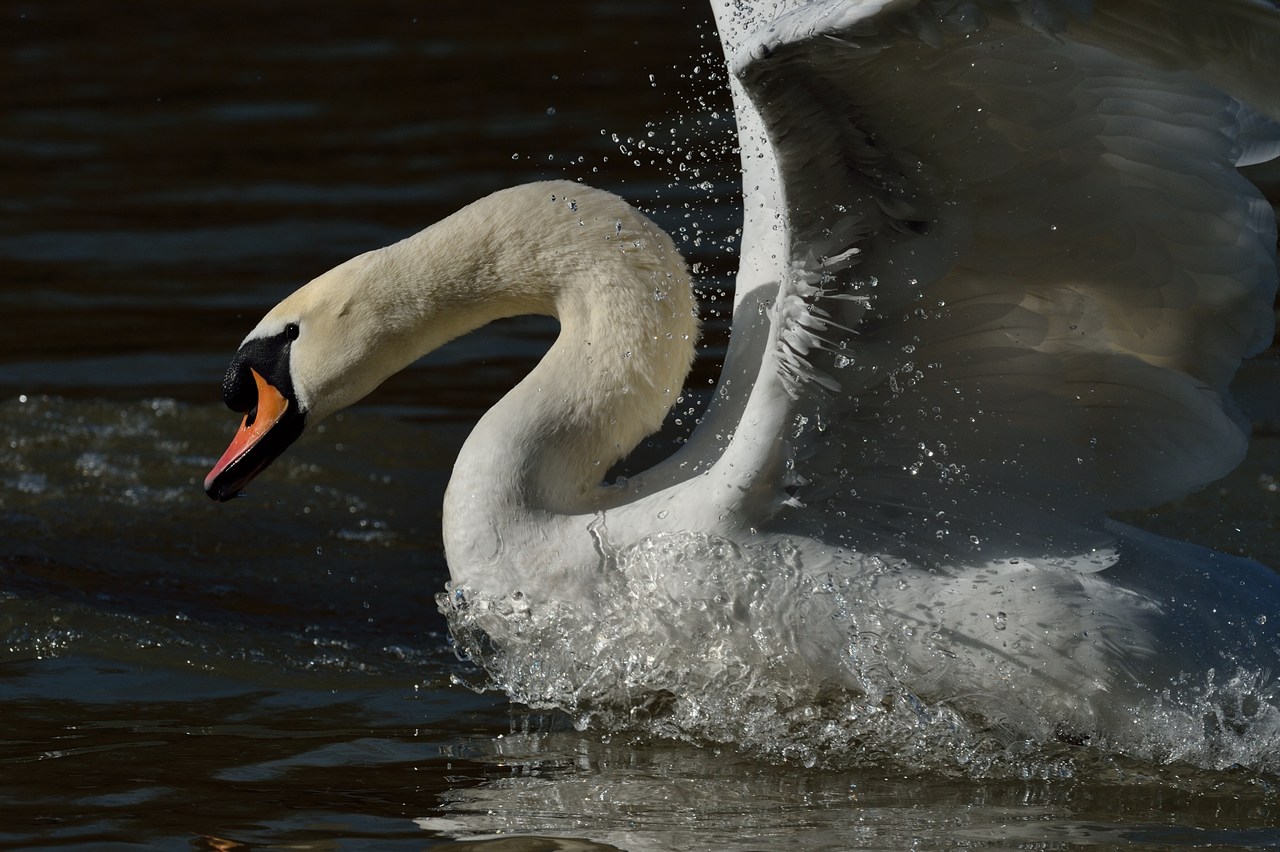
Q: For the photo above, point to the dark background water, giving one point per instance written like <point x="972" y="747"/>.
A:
<point x="170" y="172"/>
<point x="274" y="671"/>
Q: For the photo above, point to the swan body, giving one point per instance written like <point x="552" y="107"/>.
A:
<point x="998" y="269"/>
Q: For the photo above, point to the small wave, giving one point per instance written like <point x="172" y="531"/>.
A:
<point x="113" y="549"/>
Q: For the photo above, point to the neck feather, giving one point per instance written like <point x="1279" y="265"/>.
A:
<point x="627" y="331"/>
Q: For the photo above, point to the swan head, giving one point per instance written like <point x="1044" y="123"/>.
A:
<point x="557" y="249"/>
<point x="260" y="384"/>
<point x="318" y="351"/>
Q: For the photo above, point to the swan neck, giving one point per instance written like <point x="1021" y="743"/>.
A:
<point x="628" y="327"/>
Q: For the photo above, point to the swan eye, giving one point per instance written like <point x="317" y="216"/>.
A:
<point x="291" y="331"/>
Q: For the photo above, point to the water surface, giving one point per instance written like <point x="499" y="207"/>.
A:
<point x="274" y="672"/>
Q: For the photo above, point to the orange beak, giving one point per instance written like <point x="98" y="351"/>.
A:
<point x="240" y="463"/>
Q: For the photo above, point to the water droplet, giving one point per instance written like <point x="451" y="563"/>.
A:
<point x="1260" y="620"/>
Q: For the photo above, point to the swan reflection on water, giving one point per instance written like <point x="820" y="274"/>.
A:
<point x="998" y="268"/>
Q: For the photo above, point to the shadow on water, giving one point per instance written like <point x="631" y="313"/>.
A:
<point x="273" y="671"/>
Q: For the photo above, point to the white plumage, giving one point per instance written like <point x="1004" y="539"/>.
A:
<point x="998" y="270"/>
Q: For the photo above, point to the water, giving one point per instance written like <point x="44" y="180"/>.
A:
<point x="274" y="671"/>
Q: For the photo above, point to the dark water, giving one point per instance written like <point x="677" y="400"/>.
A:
<point x="273" y="672"/>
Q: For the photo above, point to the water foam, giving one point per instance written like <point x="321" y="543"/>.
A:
<point x="692" y="636"/>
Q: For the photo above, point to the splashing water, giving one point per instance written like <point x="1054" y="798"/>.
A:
<point x="695" y="637"/>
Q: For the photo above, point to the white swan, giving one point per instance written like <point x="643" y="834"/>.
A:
<point x="998" y="269"/>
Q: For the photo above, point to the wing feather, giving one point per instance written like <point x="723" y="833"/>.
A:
<point x="1006" y="252"/>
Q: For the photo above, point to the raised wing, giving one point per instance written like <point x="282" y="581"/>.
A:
<point x="1007" y="258"/>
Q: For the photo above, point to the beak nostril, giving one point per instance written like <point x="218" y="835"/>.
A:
<point x="250" y="416"/>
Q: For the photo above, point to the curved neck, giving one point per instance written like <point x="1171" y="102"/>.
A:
<point x="627" y="331"/>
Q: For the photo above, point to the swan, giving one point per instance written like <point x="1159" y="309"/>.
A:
<point x="998" y="267"/>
